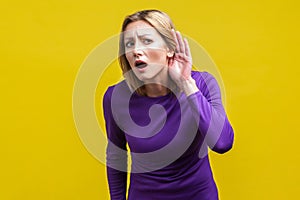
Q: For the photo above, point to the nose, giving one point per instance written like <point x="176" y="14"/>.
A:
<point x="137" y="50"/>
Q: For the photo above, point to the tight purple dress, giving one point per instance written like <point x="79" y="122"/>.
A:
<point x="168" y="138"/>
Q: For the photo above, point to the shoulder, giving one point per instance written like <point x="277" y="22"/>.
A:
<point x="202" y="76"/>
<point x="206" y="83"/>
<point x="120" y="87"/>
<point x="203" y="79"/>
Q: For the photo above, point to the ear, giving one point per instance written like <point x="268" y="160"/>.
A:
<point x="170" y="53"/>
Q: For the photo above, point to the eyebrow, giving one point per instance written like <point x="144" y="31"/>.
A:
<point x="127" y="38"/>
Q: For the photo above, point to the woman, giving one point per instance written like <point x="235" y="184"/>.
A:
<point x="166" y="113"/>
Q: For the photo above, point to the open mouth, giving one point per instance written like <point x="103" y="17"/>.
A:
<point x="140" y="64"/>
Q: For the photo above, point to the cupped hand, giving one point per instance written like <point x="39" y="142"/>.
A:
<point x="180" y="65"/>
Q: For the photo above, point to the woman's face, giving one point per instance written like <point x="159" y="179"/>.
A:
<point x="146" y="51"/>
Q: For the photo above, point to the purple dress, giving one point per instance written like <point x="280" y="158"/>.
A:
<point x="168" y="137"/>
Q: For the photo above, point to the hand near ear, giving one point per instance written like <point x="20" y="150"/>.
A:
<point x="180" y="65"/>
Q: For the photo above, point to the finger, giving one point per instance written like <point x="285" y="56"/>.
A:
<point x="176" y="41"/>
<point x="180" y="42"/>
<point x="187" y="48"/>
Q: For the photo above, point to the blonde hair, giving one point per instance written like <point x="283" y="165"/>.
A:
<point x="162" y="24"/>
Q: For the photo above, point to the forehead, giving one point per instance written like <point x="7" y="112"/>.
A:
<point x="140" y="28"/>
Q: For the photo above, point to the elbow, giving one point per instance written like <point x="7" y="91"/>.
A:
<point x="223" y="145"/>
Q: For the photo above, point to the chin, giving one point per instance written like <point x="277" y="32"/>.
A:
<point x="144" y="77"/>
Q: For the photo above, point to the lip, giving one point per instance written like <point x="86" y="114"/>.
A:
<point x="140" y="64"/>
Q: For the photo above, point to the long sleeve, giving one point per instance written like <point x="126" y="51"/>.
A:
<point x="207" y="109"/>
<point x="116" y="153"/>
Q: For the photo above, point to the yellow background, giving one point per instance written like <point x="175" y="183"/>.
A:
<point x="254" y="43"/>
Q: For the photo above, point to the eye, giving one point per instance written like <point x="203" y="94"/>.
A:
<point x="147" y="41"/>
<point x="129" y="44"/>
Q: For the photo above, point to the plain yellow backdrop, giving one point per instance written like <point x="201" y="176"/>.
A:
<point x="254" y="43"/>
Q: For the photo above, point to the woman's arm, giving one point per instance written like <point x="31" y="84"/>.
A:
<point x="204" y="96"/>
<point x="116" y="152"/>
<point x="207" y="109"/>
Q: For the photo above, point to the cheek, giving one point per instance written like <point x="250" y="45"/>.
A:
<point x="129" y="58"/>
<point x="159" y="56"/>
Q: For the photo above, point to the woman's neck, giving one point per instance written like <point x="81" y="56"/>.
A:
<point x="155" y="90"/>
<point x="159" y="85"/>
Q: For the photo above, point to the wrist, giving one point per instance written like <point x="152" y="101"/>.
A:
<point x="189" y="86"/>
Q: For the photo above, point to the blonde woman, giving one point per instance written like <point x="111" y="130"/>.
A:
<point x="167" y="114"/>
